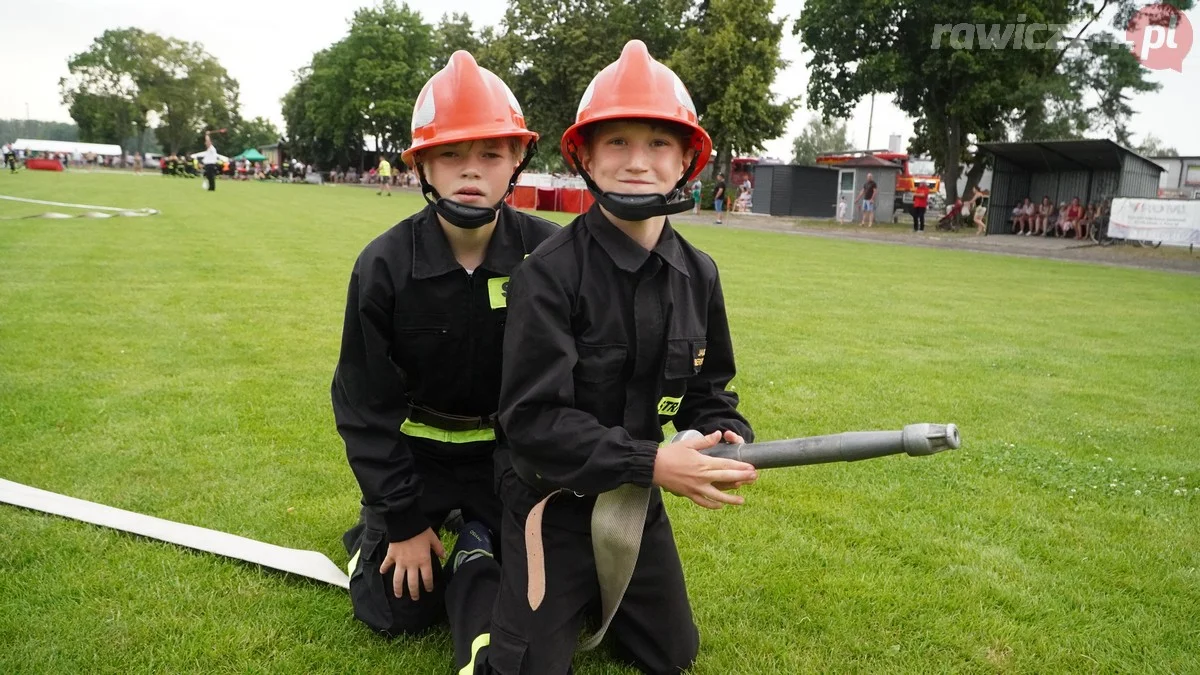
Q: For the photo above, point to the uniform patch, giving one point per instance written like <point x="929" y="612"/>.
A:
<point x="698" y="352"/>
<point x="498" y="292"/>
<point x="669" y="405"/>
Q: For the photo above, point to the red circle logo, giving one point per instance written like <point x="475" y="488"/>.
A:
<point x="1159" y="36"/>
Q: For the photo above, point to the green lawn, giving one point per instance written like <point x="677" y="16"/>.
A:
<point x="179" y="365"/>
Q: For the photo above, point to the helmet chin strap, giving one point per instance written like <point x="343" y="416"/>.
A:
<point x="637" y="207"/>
<point x="463" y="215"/>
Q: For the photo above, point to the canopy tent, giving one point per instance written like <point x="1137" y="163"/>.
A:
<point x="69" y="147"/>
<point x="251" y="154"/>
<point x="200" y="155"/>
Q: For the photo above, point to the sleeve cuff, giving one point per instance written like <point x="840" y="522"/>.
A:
<point x="641" y="463"/>
<point x="405" y="524"/>
<point x="736" y="426"/>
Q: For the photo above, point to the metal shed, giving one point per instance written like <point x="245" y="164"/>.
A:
<point x="1092" y="169"/>
<point x="795" y="190"/>
<point x="853" y="174"/>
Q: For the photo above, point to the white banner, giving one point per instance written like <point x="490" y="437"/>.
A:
<point x="1174" y="222"/>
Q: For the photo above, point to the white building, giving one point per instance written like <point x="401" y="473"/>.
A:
<point x="1181" y="178"/>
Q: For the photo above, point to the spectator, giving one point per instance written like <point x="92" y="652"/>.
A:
<point x="1085" y="223"/>
<point x="719" y="196"/>
<point x="385" y="176"/>
<point x="696" y="188"/>
<point x="867" y="195"/>
<point x="920" y="203"/>
<point x="975" y="209"/>
<point x="1018" y="217"/>
<point x="841" y="210"/>
<point x="1100" y="223"/>
<point x="1043" y="215"/>
<point x="1028" y="216"/>
<point x="742" y="204"/>
<point x="1074" y="216"/>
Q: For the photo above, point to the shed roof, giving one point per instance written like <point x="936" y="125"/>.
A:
<point x="868" y="162"/>
<point x="1077" y="155"/>
<point x="806" y="167"/>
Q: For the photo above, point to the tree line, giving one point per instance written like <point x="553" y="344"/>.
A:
<point x="360" y="90"/>
<point x="365" y="85"/>
<point x="130" y="83"/>
<point x="11" y="130"/>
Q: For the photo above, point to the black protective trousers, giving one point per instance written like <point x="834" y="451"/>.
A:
<point x="653" y="628"/>
<point x="465" y="598"/>
<point x="918" y="216"/>
<point x="210" y="175"/>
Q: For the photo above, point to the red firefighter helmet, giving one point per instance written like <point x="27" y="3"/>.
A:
<point x="465" y="102"/>
<point x="635" y="86"/>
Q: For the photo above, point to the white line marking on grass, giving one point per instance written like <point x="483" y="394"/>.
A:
<point x="77" y="206"/>
<point x="120" y="211"/>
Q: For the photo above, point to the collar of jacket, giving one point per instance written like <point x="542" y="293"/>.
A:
<point x="627" y="253"/>
<point x="433" y="257"/>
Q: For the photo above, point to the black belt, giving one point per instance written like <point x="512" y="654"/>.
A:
<point x="448" y="422"/>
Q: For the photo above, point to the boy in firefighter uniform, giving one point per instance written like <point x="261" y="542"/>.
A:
<point x="616" y="326"/>
<point x="418" y="377"/>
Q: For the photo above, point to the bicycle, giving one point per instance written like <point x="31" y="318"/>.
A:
<point x="1098" y="233"/>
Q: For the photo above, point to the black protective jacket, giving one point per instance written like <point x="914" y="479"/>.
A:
<point x="419" y="331"/>
<point x="607" y="342"/>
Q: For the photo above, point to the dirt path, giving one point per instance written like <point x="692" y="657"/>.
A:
<point x="1166" y="258"/>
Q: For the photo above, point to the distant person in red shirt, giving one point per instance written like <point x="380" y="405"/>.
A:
<point x="920" y="202"/>
<point x="1074" y="215"/>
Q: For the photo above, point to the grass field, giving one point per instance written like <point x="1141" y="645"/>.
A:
<point x="179" y="365"/>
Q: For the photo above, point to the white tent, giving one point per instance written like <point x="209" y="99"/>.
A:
<point x="69" y="147"/>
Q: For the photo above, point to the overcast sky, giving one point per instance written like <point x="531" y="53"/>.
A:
<point x="273" y="39"/>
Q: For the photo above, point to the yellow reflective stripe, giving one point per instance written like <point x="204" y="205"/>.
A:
<point x="353" y="563"/>
<point x="418" y="430"/>
<point x="669" y="405"/>
<point x="498" y="292"/>
<point x="476" y="644"/>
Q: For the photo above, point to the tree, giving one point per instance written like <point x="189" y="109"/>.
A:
<point x="192" y="92"/>
<point x="387" y="57"/>
<point x="962" y="92"/>
<point x="129" y="77"/>
<point x="303" y="140"/>
<point x="454" y="32"/>
<point x="257" y="132"/>
<point x="550" y="51"/>
<point x="729" y="57"/>
<point x="364" y="85"/>
<point x="817" y="138"/>
<point x="108" y="89"/>
<point x="101" y="118"/>
<point x="1152" y="146"/>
